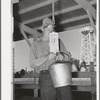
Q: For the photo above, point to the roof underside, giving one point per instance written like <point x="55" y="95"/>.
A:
<point x="68" y="15"/>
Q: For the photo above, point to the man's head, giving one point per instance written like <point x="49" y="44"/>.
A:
<point x="47" y="23"/>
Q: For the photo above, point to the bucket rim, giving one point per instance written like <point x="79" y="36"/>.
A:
<point x="60" y="62"/>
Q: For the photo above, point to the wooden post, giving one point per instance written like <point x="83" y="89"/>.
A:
<point x="91" y="66"/>
<point x="35" y="90"/>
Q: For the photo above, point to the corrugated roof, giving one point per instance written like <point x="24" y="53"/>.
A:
<point x="68" y="14"/>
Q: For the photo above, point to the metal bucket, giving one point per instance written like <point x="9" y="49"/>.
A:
<point x="61" y="73"/>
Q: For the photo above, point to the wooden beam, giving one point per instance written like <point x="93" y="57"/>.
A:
<point x="75" y="81"/>
<point x="87" y="6"/>
<point x="76" y="27"/>
<point x="74" y="19"/>
<point x="68" y="20"/>
<point x="55" y="13"/>
<point x="36" y="6"/>
<point x="34" y="33"/>
<point x="48" y="15"/>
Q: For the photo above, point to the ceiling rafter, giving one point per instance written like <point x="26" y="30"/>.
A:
<point x="74" y="27"/>
<point x="74" y="19"/>
<point x="35" y="7"/>
<point x="87" y="6"/>
<point x="78" y="26"/>
<point x="48" y="15"/>
<point x="67" y="20"/>
<point x="55" y="13"/>
<point x="71" y="15"/>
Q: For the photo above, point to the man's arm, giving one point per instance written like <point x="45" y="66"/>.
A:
<point x="34" y="61"/>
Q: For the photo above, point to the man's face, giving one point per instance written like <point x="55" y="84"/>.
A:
<point x="49" y="28"/>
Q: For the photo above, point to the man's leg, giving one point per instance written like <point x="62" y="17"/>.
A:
<point x="48" y="92"/>
<point x="64" y="93"/>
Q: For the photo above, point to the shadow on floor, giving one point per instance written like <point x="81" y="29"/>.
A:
<point x="28" y="95"/>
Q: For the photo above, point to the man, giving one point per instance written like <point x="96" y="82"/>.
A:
<point x="41" y="58"/>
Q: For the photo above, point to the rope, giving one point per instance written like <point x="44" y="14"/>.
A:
<point x="53" y="18"/>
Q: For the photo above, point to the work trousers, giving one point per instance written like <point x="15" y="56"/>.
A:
<point x="47" y="90"/>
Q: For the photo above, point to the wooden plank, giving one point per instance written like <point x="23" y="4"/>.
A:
<point x="81" y="81"/>
<point x="87" y="6"/>
<point x="32" y="79"/>
<point x="69" y="20"/>
<point x="84" y="88"/>
<point x="22" y="11"/>
<point x="84" y="74"/>
<point x="76" y="27"/>
<point x="74" y="75"/>
<point x="23" y="79"/>
<point x="75" y="81"/>
<point x="72" y="28"/>
<point x="50" y="14"/>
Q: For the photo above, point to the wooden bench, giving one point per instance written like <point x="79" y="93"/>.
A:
<point x="81" y="81"/>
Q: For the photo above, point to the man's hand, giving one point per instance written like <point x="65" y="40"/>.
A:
<point x="60" y="57"/>
<point x="51" y="56"/>
<point x="63" y="56"/>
